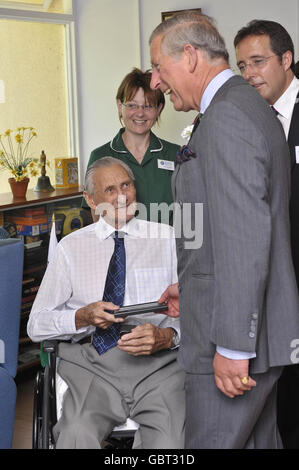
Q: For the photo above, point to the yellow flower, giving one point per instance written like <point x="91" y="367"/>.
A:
<point x="19" y="138"/>
<point x="14" y="153"/>
<point x="33" y="172"/>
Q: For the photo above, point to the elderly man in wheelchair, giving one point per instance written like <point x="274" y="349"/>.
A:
<point x="115" y="367"/>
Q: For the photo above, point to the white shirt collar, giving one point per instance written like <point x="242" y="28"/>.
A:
<point x="136" y="228"/>
<point x="285" y="104"/>
<point x="213" y="87"/>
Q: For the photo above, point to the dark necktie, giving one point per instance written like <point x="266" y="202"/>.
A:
<point x="196" y="123"/>
<point x="104" y="339"/>
<point x="185" y="153"/>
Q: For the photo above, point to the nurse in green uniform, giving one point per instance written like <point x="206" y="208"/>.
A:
<point x="150" y="158"/>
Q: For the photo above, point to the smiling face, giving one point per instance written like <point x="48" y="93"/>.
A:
<point x="272" y="77"/>
<point x="169" y="75"/>
<point x="114" y="195"/>
<point x="141" y="120"/>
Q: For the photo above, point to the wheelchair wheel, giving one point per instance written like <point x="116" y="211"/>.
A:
<point x="37" y="411"/>
<point x="41" y="427"/>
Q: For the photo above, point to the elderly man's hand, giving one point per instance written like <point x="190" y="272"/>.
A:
<point x="95" y="314"/>
<point x="146" y="339"/>
<point x="171" y="297"/>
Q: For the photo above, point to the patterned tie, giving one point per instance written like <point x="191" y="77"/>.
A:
<point x="104" y="339"/>
<point x="185" y="153"/>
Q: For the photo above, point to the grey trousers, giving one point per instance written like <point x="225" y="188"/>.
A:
<point x="105" y="390"/>
<point x="248" y="421"/>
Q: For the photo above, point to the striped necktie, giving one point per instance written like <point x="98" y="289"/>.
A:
<point x="104" y="339"/>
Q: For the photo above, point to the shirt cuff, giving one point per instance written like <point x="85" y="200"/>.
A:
<point x="177" y="339"/>
<point x="232" y="354"/>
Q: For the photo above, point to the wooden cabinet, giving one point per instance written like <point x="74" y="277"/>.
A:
<point x="66" y="203"/>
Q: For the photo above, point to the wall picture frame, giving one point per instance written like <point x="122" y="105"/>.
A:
<point x="165" y="15"/>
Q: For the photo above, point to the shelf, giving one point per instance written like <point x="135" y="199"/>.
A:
<point x="25" y="340"/>
<point x="33" y="269"/>
<point x="33" y="198"/>
<point x="22" y="367"/>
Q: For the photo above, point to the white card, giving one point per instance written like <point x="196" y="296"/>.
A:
<point x="297" y="154"/>
<point x="166" y="165"/>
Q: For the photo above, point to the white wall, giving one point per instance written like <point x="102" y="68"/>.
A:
<point x="107" y="44"/>
<point x="230" y="16"/>
<point x="112" y="37"/>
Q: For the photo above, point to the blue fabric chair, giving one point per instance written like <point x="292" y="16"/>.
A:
<point x="11" y="274"/>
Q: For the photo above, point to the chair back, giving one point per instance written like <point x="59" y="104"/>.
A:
<point x="11" y="275"/>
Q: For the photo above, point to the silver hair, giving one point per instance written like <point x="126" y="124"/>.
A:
<point x="191" y="28"/>
<point x="103" y="163"/>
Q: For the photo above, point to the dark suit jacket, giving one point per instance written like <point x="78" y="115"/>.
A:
<point x="293" y="141"/>
<point x="238" y="290"/>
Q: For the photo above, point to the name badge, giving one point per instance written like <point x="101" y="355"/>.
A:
<point x="297" y="154"/>
<point x="166" y="165"/>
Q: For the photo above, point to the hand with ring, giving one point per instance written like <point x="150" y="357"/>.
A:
<point x="245" y="380"/>
<point x="231" y="376"/>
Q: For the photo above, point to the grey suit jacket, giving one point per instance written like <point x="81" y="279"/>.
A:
<point x="238" y="290"/>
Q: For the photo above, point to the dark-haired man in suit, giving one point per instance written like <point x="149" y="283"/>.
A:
<point x="265" y="57"/>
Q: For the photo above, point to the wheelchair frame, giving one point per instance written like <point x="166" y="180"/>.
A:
<point x="45" y="411"/>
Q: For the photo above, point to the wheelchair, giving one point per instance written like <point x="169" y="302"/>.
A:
<point x="45" y="409"/>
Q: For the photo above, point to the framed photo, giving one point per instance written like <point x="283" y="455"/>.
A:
<point x="168" y="14"/>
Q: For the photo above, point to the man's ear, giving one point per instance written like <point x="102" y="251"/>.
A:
<point x="287" y="58"/>
<point x="89" y="199"/>
<point x="191" y="57"/>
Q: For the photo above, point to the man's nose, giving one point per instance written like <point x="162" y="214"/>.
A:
<point x="249" y="73"/>
<point x="121" y="197"/>
<point x="155" y="80"/>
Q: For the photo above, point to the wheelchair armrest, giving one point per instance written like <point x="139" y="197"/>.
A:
<point x="50" y="346"/>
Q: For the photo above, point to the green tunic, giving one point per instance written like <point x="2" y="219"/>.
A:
<point x="152" y="181"/>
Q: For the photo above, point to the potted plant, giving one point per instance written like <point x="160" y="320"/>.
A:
<point x="14" y="146"/>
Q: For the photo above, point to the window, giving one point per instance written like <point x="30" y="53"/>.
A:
<point x="38" y="74"/>
<point x="51" y="6"/>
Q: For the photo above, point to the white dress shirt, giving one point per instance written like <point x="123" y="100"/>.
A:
<point x="285" y="105"/>
<point x="76" y="277"/>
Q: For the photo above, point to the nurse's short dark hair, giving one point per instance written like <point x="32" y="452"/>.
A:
<point x="138" y="79"/>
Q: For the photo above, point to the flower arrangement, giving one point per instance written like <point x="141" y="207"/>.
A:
<point x="14" y="146"/>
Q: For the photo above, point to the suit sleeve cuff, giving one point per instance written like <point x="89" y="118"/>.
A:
<point x="238" y="355"/>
